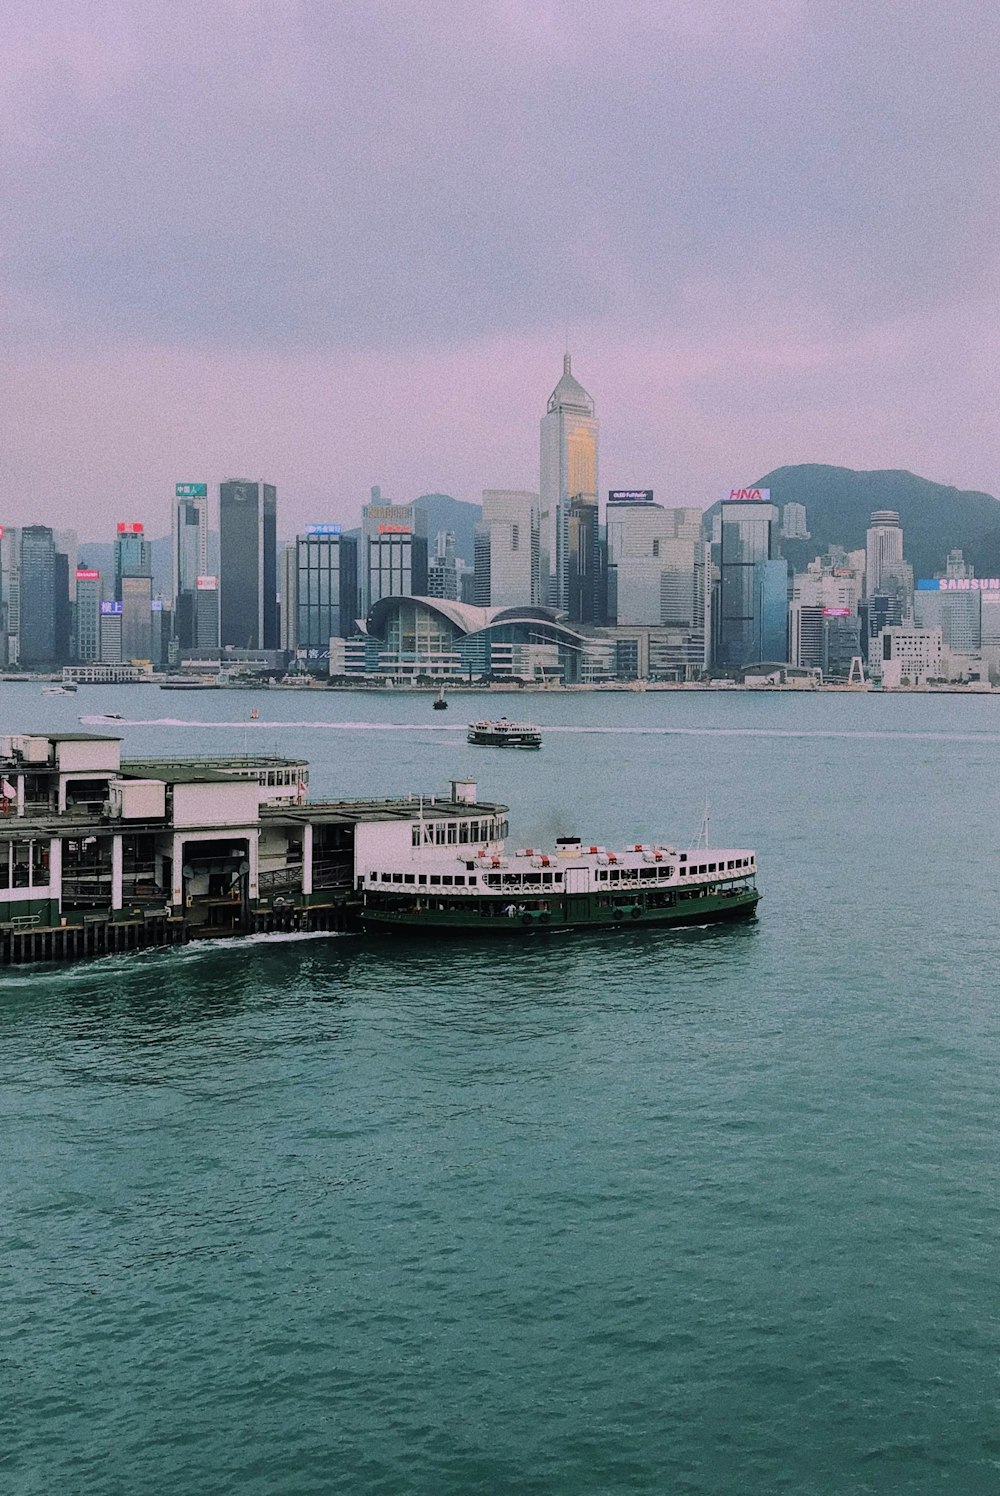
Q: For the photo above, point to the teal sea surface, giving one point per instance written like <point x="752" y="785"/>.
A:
<point x="714" y="1211"/>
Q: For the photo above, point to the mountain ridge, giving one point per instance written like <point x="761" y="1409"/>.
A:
<point x="935" y="517"/>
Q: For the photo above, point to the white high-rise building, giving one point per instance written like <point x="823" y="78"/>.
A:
<point x="508" y="549"/>
<point x="659" y="581"/>
<point x="883" y="549"/>
<point x="907" y="656"/>
<point x="568" y="475"/>
<point x="288" y="596"/>
<point x="793" y="522"/>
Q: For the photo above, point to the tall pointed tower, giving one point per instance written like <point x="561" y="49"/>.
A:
<point x="568" y="484"/>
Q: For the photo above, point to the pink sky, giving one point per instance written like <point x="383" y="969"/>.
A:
<point x="333" y="248"/>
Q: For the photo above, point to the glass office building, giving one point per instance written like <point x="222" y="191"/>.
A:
<point x="326" y="588"/>
<point x="753" y="588"/>
<point x="248" y="564"/>
<point x="37" y="575"/>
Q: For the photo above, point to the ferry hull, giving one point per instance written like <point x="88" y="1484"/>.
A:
<point x="586" y="912"/>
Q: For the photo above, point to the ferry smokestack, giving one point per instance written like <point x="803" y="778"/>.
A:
<point x="464" y="791"/>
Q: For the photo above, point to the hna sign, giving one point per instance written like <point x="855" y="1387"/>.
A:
<point x="749" y="495"/>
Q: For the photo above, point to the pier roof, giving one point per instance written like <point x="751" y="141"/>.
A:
<point x="350" y="812"/>
<point x="174" y="773"/>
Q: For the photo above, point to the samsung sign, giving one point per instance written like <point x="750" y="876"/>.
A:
<point x="959" y="584"/>
<point x="191" y="491"/>
<point x="748" y="496"/>
<point x="630" y="496"/>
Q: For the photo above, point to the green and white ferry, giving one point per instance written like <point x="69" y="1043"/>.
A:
<point x="484" y="889"/>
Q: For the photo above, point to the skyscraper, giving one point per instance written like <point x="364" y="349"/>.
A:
<point x="189" y="556"/>
<point x="325" y="588"/>
<point x="508" y="549"/>
<point x="87" y="638"/>
<point x="37" y="621"/>
<point x="442" y="567"/>
<point x="753" y="593"/>
<point x="883" y="549"/>
<point x="133" y="553"/>
<point x="393" y="552"/>
<point x="568" y="477"/>
<point x="134" y="590"/>
<point x="248" y="548"/>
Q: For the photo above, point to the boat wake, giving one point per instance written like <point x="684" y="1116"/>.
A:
<point x="314" y="725"/>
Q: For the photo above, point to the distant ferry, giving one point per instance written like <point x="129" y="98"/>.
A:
<point x="504" y="734"/>
<point x="490" y="891"/>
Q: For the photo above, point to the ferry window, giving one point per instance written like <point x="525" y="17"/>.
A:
<point x="684" y="857"/>
<point x="397" y="877"/>
<point x="415" y="836"/>
<point x="447" y="878"/>
<point x="546" y="877"/>
<point x="472" y="882"/>
<point x="711" y="867"/>
<point x="439" y="833"/>
<point x="422" y="878"/>
<point x="435" y="879"/>
<point x="373" y="876"/>
<point x="474" y="831"/>
<point x="428" y="833"/>
<point x="408" y="878"/>
<point x="459" y="878"/>
<point x="386" y="877"/>
<point x="463" y="831"/>
<point x="452" y="833"/>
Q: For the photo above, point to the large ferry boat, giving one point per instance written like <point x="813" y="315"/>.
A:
<point x="504" y="734"/>
<point x="488" y="890"/>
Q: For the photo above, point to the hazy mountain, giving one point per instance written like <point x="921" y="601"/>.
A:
<point x="445" y="513"/>
<point x="935" y="518"/>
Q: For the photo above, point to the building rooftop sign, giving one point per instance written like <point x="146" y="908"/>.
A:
<point x="111" y="609"/>
<point x="748" y="496"/>
<point x="324" y="529"/>
<point x="394" y="530"/>
<point x="959" y="584"/>
<point x="630" y="496"/>
<point x="85" y="574"/>
<point x="836" y="612"/>
<point x="191" y="490"/>
<point x="206" y="583"/>
<point x="133" y="529"/>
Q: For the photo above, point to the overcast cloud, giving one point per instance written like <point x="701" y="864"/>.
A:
<point x="334" y="245"/>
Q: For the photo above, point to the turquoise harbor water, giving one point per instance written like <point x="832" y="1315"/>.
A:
<point x="710" y="1212"/>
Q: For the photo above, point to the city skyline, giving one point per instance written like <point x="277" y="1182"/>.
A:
<point x="741" y="286"/>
